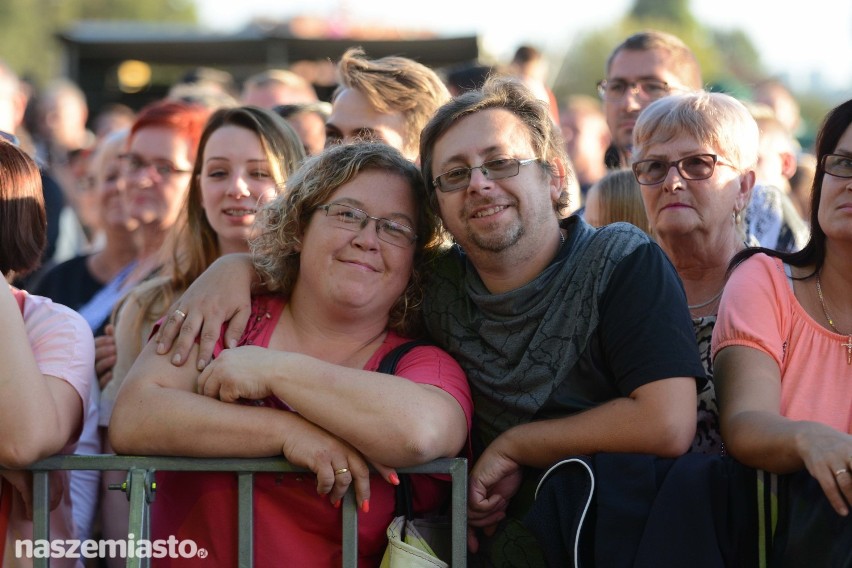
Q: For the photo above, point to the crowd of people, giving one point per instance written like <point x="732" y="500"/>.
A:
<point x="637" y="281"/>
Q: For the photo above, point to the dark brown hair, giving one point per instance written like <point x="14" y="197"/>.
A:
<point x="685" y="65"/>
<point x="23" y="221"/>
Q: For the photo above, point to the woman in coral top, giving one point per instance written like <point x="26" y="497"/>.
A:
<point x="783" y="341"/>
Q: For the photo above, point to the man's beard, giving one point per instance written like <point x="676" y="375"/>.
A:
<point x="497" y="241"/>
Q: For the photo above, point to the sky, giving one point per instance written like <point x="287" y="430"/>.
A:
<point x="805" y="44"/>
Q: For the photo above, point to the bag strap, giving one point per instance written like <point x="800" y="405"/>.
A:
<point x="391" y="360"/>
<point x="404" y="500"/>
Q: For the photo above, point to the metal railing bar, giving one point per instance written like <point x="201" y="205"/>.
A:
<point x="107" y="462"/>
<point x="458" y="512"/>
<point x="41" y="502"/>
<point x="350" y="529"/>
<point x="245" y="517"/>
<point x="141" y="488"/>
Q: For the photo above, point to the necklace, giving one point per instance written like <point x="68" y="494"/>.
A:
<point x="561" y="238"/>
<point x="708" y="302"/>
<point x="848" y="344"/>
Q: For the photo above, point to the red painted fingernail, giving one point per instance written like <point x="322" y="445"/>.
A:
<point x="365" y="506"/>
<point x="394" y="479"/>
<point x="336" y="504"/>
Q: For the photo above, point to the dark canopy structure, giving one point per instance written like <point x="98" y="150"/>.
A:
<point x="93" y="52"/>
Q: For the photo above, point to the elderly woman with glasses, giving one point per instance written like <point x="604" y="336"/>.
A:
<point x="694" y="158"/>
<point x="783" y="343"/>
<point x="341" y="254"/>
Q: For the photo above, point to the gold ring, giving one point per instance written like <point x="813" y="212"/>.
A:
<point x="180" y="313"/>
<point x="346" y="469"/>
<point x="840" y="471"/>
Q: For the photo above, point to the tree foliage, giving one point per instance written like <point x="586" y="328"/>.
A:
<point x="674" y="11"/>
<point x="28" y="28"/>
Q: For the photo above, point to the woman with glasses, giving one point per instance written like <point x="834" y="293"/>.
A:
<point x="342" y="254"/>
<point x="694" y="158"/>
<point x="155" y="164"/>
<point x="46" y="376"/>
<point x="783" y="342"/>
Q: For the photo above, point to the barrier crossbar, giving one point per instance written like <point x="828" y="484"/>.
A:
<point x="140" y="486"/>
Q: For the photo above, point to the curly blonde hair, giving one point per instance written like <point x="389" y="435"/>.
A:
<point x="283" y="221"/>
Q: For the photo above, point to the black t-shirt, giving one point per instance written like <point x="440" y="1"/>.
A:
<point x="643" y="334"/>
<point x="606" y="317"/>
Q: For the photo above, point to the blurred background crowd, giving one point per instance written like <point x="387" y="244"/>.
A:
<point x="75" y="71"/>
<point x="85" y="89"/>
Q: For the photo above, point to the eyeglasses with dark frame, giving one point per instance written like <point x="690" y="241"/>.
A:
<point x="645" y="89"/>
<point x="459" y="178"/>
<point x="693" y="168"/>
<point x="136" y="164"/>
<point x="354" y="219"/>
<point x="837" y="165"/>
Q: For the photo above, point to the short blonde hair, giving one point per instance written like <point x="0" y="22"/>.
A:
<point x="394" y="84"/>
<point x="715" y="119"/>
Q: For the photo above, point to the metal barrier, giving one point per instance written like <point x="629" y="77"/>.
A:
<point x="140" y="485"/>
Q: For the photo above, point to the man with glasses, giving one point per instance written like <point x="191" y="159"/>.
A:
<point x="643" y="68"/>
<point x="574" y="341"/>
<point x="650" y="65"/>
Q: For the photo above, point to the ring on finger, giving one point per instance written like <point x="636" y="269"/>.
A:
<point x="180" y="313"/>
<point x="840" y="471"/>
<point x="341" y="471"/>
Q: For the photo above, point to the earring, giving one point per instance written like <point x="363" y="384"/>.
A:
<point x="736" y="215"/>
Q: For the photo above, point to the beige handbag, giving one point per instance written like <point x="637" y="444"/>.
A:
<point x="413" y="543"/>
